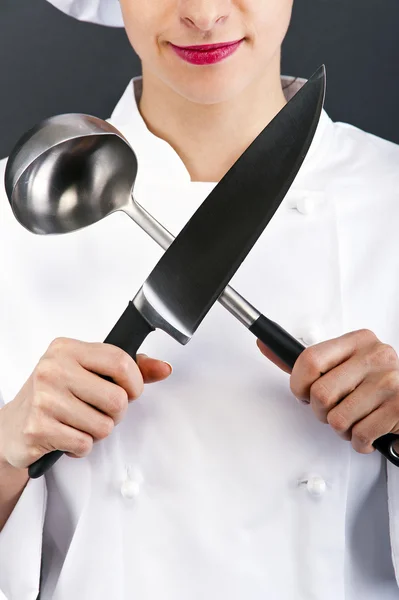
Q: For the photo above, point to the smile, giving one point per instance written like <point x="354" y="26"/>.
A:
<point x="206" y="54"/>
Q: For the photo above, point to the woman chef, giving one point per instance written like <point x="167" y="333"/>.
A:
<point x="231" y="479"/>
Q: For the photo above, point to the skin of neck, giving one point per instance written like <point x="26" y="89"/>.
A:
<point x="209" y="138"/>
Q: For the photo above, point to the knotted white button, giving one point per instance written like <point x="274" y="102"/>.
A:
<point x="311" y="334"/>
<point x="305" y="206"/>
<point x="130" y="487"/>
<point x="305" y="202"/>
<point x="316" y="486"/>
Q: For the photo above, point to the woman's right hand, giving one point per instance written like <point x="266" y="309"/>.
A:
<point x="66" y="406"/>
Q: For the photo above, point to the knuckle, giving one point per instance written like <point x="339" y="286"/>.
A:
<point x="121" y="362"/>
<point x="364" y="336"/>
<point x="38" y="401"/>
<point x="360" y="437"/>
<point x="83" y="445"/>
<point x="32" y="432"/>
<point x="321" y="394"/>
<point x="45" y="371"/>
<point x="104" y="428"/>
<point x="311" y="359"/>
<point x="383" y="355"/>
<point x="59" y="345"/>
<point x="117" y="401"/>
<point x="42" y="402"/>
<point x="338" y="422"/>
<point x="390" y="381"/>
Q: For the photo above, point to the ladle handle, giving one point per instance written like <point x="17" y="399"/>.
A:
<point x="288" y="349"/>
<point x="128" y="333"/>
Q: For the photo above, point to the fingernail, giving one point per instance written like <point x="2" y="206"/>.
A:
<point x="303" y="402"/>
<point x="169" y="365"/>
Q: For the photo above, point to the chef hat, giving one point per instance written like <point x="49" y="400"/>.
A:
<point x="103" y="12"/>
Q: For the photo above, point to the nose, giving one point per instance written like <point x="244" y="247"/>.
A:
<point x="204" y="14"/>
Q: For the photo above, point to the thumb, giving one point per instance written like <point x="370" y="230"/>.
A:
<point x="271" y="356"/>
<point x="152" y="369"/>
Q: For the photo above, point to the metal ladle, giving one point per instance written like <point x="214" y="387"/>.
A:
<point x="71" y="171"/>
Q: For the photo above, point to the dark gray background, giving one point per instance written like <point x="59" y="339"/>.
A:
<point x="51" y="64"/>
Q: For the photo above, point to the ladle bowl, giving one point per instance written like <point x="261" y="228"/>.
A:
<point x="68" y="172"/>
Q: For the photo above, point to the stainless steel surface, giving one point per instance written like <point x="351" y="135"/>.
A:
<point x="239" y="307"/>
<point x="69" y="172"/>
<point x="72" y="170"/>
<point x="149" y="224"/>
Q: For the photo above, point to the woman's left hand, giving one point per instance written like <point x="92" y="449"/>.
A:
<point x="351" y="383"/>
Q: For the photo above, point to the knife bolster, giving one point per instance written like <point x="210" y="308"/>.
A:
<point x="155" y="311"/>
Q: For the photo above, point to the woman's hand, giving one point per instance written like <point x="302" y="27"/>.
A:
<point x="66" y="406"/>
<point x="351" y="383"/>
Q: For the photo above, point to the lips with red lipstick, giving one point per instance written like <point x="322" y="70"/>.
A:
<point x="206" y="54"/>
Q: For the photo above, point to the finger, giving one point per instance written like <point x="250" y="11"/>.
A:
<point x="71" y="411"/>
<point x="47" y="435"/>
<point x="271" y="356"/>
<point x="103" y="395"/>
<point x="102" y="359"/>
<point x="380" y="422"/>
<point x="153" y="370"/>
<point x="330" y="389"/>
<point x="71" y="440"/>
<point x="317" y="360"/>
<point x="365" y="399"/>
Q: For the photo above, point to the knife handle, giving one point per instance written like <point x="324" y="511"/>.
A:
<point x="287" y="349"/>
<point x="128" y="333"/>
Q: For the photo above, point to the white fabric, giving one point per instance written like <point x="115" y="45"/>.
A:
<point x="103" y="12"/>
<point x="221" y="454"/>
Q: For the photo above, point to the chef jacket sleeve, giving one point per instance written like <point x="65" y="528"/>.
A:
<point x="21" y="543"/>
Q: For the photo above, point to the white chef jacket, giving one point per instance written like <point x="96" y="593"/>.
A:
<point x="218" y="483"/>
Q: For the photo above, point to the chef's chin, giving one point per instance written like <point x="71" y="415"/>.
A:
<point x="210" y="88"/>
<point x="210" y="84"/>
<point x="224" y="88"/>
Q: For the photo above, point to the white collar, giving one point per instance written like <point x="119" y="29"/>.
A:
<point x="163" y="185"/>
<point x="155" y="154"/>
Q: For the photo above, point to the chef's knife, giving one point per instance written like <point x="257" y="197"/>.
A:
<point x="198" y="265"/>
